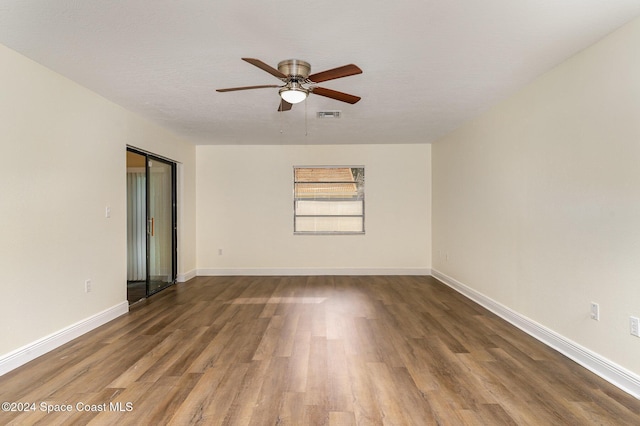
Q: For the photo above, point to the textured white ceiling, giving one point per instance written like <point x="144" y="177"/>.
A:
<point x="429" y="65"/>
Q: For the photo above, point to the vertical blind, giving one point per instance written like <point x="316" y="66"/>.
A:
<point x="137" y="226"/>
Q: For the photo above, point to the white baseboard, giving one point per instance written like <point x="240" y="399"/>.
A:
<point x="33" y="350"/>
<point x="311" y="271"/>
<point x="181" y="278"/>
<point x="608" y="370"/>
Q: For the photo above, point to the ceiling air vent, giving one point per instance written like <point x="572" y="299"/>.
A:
<point x="329" y="114"/>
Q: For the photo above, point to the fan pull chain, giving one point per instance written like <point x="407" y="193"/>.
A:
<point x="280" y="114"/>
<point x="306" y="117"/>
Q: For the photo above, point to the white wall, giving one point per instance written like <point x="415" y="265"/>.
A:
<point x="536" y="203"/>
<point x="63" y="152"/>
<point x="245" y="208"/>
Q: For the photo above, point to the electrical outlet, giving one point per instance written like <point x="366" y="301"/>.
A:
<point x="595" y="311"/>
<point x="87" y="286"/>
<point x="634" y="326"/>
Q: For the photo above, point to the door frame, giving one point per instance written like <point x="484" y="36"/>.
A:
<point x="174" y="216"/>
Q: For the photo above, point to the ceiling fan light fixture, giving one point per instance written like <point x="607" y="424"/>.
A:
<point x="293" y="96"/>
<point x="294" y="93"/>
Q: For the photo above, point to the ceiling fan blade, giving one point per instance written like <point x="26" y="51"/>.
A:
<point x="232" y="89"/>
<point x="334" y="94"/>
<point x="284" y="106"/>
<point x="334" y="73"/>
<point x="268" y="68"/>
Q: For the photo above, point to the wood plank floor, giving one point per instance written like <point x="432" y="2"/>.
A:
<point x="311" y="351"/>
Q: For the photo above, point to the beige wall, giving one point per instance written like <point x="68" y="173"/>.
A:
<point x="63" y="151"/>
<point x="245" y="208"/>
<point x="536" y="204"/>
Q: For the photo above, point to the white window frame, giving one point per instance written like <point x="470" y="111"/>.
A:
<point x="355" y="203"/>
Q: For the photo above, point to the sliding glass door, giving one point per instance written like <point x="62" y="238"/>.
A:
<point x="160" y="225"/>
<point x="151" y="224"/>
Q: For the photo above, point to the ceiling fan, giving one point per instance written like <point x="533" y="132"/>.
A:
<point x="294" y="73"/>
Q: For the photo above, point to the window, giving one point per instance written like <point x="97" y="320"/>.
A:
<point x="328" y="200"/>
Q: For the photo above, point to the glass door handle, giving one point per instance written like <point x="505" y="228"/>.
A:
<point x="150" y="227"/>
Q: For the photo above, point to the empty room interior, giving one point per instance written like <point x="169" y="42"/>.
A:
<point x="443" y="228"/>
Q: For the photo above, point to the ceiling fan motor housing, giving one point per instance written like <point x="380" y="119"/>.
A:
<point x="295" y="68"/>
